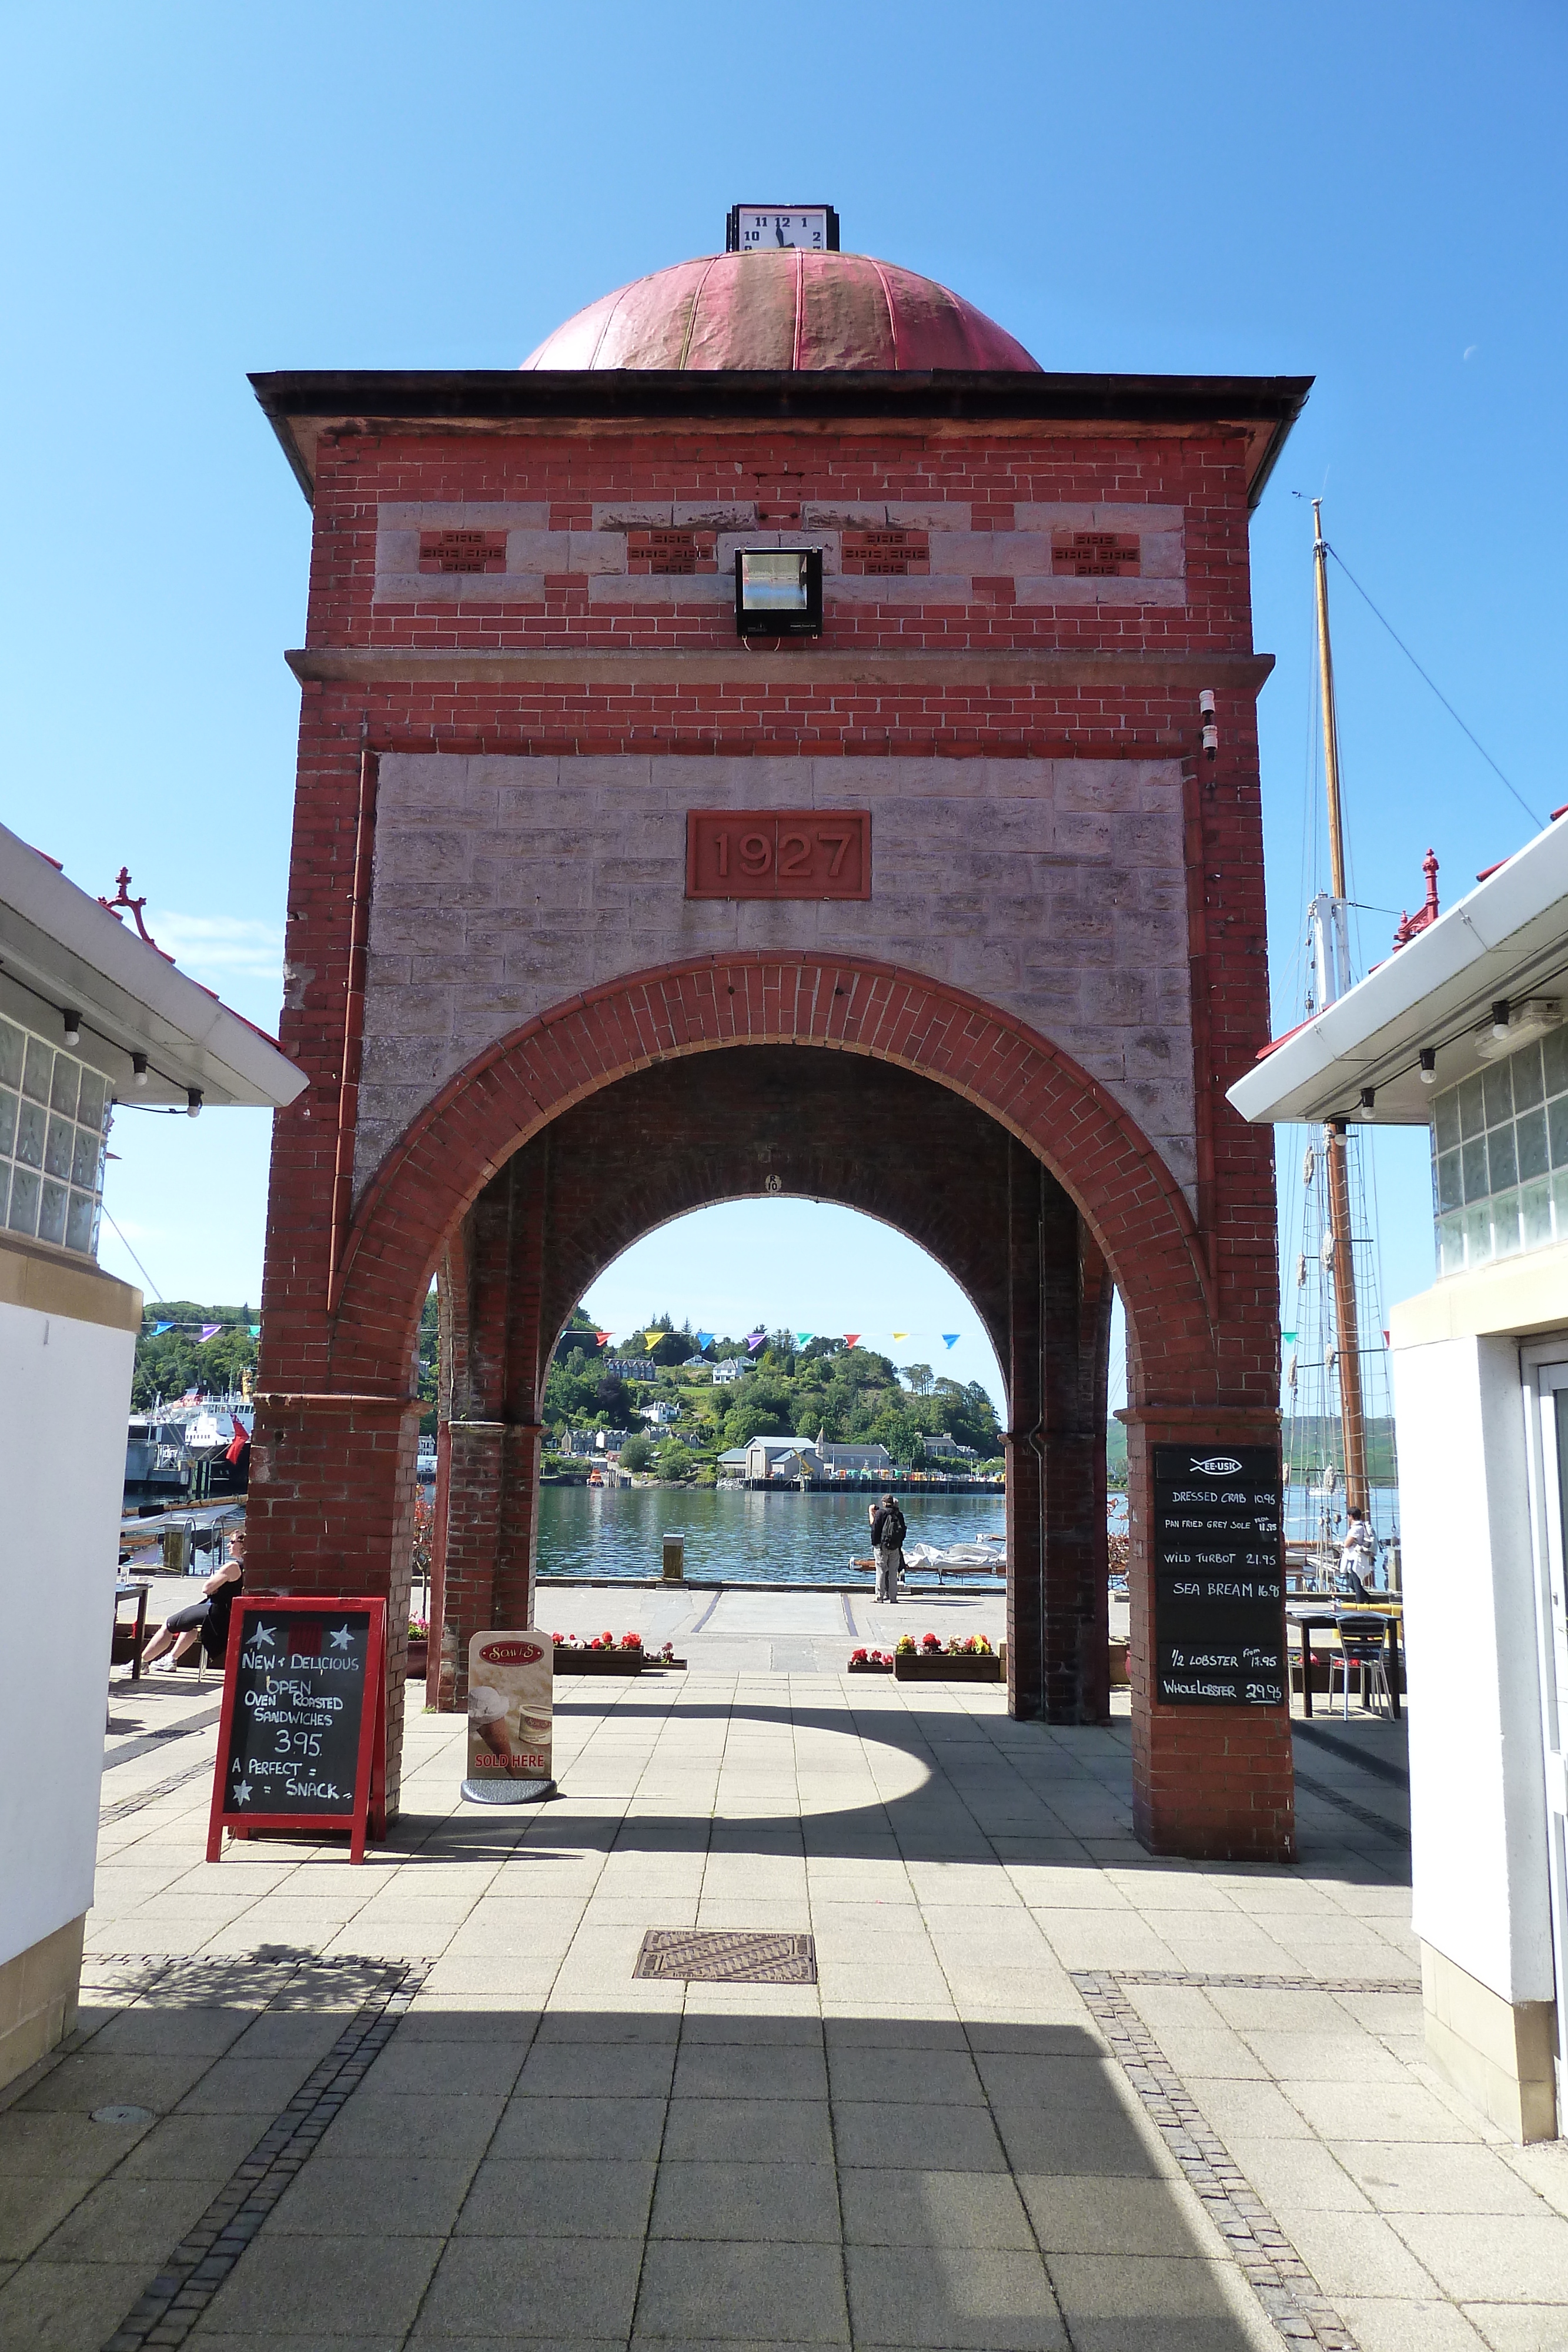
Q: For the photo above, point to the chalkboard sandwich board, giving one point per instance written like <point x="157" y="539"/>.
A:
<point x="1220" y="1583"/>
<point x="302" y="1739"/>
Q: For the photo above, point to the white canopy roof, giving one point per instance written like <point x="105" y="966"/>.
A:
<point x="60" y="951"/>
<point x="1508" y="938"/>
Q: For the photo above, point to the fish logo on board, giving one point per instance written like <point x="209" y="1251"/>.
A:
<point x="1217" y="1465"/>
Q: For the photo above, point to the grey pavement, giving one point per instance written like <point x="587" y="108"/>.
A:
<point x="443" y="2111"/>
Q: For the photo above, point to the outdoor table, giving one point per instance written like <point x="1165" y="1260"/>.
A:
<point x="1324" y="1616"/>
<point x="137" y="1592"/>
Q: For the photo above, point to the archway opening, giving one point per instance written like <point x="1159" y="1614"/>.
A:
<point x="791" y="1123"/>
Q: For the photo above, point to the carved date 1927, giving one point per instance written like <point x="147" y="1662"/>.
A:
<point x="779" y="854"/>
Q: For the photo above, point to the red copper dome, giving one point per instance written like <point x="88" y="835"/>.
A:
<point x="775" y="310"/>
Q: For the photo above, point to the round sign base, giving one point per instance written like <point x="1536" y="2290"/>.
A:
<point x="508" y="1792"/>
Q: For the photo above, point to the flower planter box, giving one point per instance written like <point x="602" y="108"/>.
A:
<point x="943" y="1669"/>
<point x="599" y="1662"/>
<point x="418" y="1661"/>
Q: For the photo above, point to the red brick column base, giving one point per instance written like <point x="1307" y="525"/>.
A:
<point x="330" y="1509"/>
<point x="1213" y="1783"/>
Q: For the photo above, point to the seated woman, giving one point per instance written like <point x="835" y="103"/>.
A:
<point x="205" y="1621"/>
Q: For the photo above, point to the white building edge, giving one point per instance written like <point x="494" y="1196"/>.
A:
<point x="1465" y="1030"/>
<point x="68" y="1341"/>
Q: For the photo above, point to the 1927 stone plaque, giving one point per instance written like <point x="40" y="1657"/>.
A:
<point x="461" y="550"/>
<point x="1092" y="554"/>
<point x="779" y="854"/>
<point x="1219" y="1563"/>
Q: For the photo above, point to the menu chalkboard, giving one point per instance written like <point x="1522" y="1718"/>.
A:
<point x="301" y="1743"/>
<point x="1219" y="1588"/>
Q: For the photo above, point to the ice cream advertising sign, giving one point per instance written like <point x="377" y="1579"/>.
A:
<point x="510" y="1686"/>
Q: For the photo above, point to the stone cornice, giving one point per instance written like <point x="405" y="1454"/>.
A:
<point x="1048" y="670"/>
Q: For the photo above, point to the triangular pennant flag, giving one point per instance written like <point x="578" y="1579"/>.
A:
<point x="211" y="1330"/>
<point x="159" y="1328"/>
<point x="653" y="1337"/>
<point x="852" y="1339"/>
<point x="949" y="1338"/>
<point x="901" y="1335"/>
<point x="255" y="1330"/>
<point x="1289" y="1337"/>
<point x="754" y="1339"/>
<point x="704" y="1338"/>
<point x="802" y="1337"/>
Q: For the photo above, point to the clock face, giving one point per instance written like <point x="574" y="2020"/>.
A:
<point x="762" y="228"/>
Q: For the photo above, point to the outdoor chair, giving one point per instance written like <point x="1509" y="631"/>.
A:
<point x="1362" y="1639"/>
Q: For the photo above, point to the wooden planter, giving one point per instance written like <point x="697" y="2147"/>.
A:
<point x="943" y="1669"/>
<point x="418" y="1661"/>
<point x="599" y="1662"/>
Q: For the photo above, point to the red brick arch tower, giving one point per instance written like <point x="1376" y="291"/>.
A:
<point x="571" y="850"/>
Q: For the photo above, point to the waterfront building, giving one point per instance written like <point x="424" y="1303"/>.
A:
<point x="782" y="714"/>
<point x="92" y="1016"/>
<point x="1464" y="1030"/>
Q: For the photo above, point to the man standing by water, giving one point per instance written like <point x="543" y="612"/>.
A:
<point x="888" y="1529"/>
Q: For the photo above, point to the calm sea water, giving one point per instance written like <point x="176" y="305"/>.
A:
<point x="789" y="1539"/>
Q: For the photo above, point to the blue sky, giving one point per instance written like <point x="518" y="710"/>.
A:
<point x="1371" y="194"/>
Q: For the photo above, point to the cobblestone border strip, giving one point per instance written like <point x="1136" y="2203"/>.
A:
<point x="1283" y="2284"/>
<point x="123" y="1806"/>
<point x="1394" y="1832"/>
<point x="147" y="1743"/>
<point x="187" y="2281"/>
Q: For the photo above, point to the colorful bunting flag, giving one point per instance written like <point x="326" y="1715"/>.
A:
<point x="901" y="1335"/>
<point x="604" y="1338"/>
<point x="852" y="1339"/>
<point x="210" y="1331"/>
<point x="754" y="1339"/>
<point x="159" y="1328"/>
<point x="704" y="1338"/>
<point x="1289" y="1337"/>
<point x="949" y="1338"/>
<point x="255" y="1330"/>
<point x="803" y="1337"/>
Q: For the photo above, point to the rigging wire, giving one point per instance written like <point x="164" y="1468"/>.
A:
<point x="1481" y="747"/>
<point x="135" y="1261"/>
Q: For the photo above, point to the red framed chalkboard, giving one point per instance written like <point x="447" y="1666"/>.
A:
<point x="302" y="1737"/>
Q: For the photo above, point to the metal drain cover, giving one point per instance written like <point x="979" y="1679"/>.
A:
<point x="122" y="2115"/>
<point x="726" y="1956"/>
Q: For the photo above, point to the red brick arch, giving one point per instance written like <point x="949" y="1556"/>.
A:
<point x="1126" y="1194"/>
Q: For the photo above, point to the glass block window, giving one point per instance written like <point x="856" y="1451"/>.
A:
<point x="1499" y="1157"/>
<point x="54" y="1118"/>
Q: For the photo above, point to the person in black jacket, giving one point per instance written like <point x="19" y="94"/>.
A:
<point x="888" y="1529"/>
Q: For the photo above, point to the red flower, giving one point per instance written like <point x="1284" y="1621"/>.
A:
<point x="930" y="1644"/>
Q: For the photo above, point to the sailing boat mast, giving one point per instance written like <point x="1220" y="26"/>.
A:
<point x="1347" y="1335"/>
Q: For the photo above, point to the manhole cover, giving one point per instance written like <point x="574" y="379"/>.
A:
<point x="122" y="2115"/>
<point x="726" y="1956"/>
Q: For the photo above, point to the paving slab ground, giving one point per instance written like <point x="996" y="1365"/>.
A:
<point x="1046" y="2092"/>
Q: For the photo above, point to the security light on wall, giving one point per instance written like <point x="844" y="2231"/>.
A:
<point x="779" y="591"/>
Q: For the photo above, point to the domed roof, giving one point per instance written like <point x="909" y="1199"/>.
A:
<point x="782" y="310"/>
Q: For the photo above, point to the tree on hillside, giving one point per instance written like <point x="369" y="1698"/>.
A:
<point x="637" y="1451"/>
<point x="744" y="1421"/>
<point x="919" y="1376"/>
